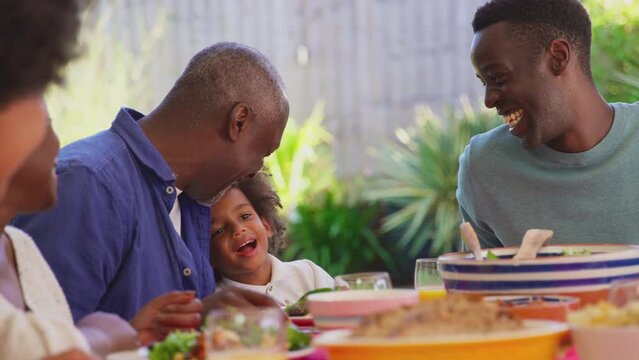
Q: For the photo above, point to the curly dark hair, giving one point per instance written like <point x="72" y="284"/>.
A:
<point x="538" y="22"/>
<point x="259" y="191"/>
<point x="37" y="38"/>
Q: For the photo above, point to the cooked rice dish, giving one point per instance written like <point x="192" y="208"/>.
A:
<point x="445" y="316"/>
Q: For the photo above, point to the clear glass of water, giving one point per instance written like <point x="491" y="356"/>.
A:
<point x="365" y="281"/>
<point x="623" y="291"/>
<point x="246" y="333"/>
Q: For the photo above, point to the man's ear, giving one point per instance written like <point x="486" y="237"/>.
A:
<point x="239" y="119"/>
<point x="267" y="227"/>
<point x="560" y="54"/>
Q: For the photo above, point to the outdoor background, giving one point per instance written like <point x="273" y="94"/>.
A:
<point x="383" y="101"/>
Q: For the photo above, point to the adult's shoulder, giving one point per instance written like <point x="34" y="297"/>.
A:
<point x="493" y="142"/>
<point x="628" y="113"/>
<point x="308" y="271"/>
<point x="92" y="153"/>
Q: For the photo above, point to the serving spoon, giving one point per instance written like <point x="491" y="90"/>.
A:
<point x="532" y="241"/>
<point x="471" y="240"/>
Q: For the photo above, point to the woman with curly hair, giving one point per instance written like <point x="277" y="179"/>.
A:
<point x="245" y="227"/>
<point x="37" y="38"/>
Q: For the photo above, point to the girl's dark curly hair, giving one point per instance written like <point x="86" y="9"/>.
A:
<point x="259" y="191"/>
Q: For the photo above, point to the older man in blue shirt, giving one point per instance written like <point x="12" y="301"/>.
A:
<point x="120" y="235"/>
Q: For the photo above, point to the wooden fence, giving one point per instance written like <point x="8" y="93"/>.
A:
<point x="372" y="61"/>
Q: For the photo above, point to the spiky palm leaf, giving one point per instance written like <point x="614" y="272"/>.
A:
<point x="419" y="176"/>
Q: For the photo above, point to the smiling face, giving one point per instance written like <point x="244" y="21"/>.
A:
<point x="521" y="86"/>
<point x="239" y="240"/>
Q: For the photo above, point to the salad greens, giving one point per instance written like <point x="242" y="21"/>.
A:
<point x="177" y="342"/>
<point x="567" y="252"/>
<point x="296" y="339"/>
<point x="576" y="252"/>
<point x="299" y="308"/>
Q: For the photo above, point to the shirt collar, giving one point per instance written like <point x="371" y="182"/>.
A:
<point x="275" y="270"/>
<point x="126" y="125"/>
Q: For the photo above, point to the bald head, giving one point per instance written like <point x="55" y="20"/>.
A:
<point x="224" y="74"/>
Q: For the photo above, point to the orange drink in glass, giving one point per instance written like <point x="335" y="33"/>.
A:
<point x="428" y="281"/>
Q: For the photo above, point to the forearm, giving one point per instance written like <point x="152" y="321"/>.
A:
<point x="98" y="341"/>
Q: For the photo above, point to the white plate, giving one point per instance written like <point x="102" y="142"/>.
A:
<point x="143" y="353"/>
<point x="139" y="354"/>
<point x="301" y="353"/>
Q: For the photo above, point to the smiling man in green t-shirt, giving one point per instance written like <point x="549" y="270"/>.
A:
<point x="565" y="159"/>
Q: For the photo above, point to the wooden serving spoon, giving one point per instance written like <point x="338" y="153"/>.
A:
<point x="470" y="238"/>
<point x="533" y="240"/>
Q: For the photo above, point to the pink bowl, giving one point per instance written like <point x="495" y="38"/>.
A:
<point x="346" y="309"/>
<point x="596" y="343"/>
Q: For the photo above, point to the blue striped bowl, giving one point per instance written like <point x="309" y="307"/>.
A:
<point x="587" y="277"/>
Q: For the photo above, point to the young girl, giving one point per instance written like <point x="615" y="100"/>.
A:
<point x="244" y="227"/>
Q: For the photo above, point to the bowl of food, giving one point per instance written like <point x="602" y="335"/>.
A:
<point x="585" y="271"/>
<point x="539" y="307"/>
<point x="605" y="331"/>
<point x="347" y="308"/>
<point x="447" y="328"/>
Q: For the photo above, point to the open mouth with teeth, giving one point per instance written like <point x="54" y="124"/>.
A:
<point x="247" y="247"/>
<point x="513" y="118"/>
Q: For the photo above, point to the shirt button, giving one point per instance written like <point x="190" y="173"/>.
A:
<point x="186" y="272"/>
<point x="270" y="288"/>
<point x="170" y="190"/>
<point x="286" y="302"/>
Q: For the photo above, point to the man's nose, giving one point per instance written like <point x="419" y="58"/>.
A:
<point x="491" y="97"/>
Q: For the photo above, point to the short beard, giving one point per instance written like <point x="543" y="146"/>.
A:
<point x="213" y="200"/>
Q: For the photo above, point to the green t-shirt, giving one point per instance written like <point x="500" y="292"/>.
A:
<point x="589" y="197"/>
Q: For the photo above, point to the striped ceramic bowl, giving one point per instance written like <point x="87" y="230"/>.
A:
<point x="586" y="276"/>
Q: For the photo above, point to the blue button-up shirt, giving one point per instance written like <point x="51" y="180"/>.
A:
<point x="109" y="239"/>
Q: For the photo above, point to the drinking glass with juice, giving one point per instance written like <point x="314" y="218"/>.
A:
<point x="428" y="281"/>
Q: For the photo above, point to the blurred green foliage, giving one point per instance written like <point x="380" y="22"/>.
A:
<point x="337" y="235"/>
<point x="327" y="221"/>
<point x="419" y="177"/>
<point x="303" y="167"/>
<point x="106" y="76"/>
<point x="615" y="54"/>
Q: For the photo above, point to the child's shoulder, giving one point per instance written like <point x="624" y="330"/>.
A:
<point x="303" y="268"/>
<point x="301" y="264"/>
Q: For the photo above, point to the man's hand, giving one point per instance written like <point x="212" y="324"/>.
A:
<point x="107" y="333"/>
<point x="238" y="298"/>
<point x="165" y="313"/>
